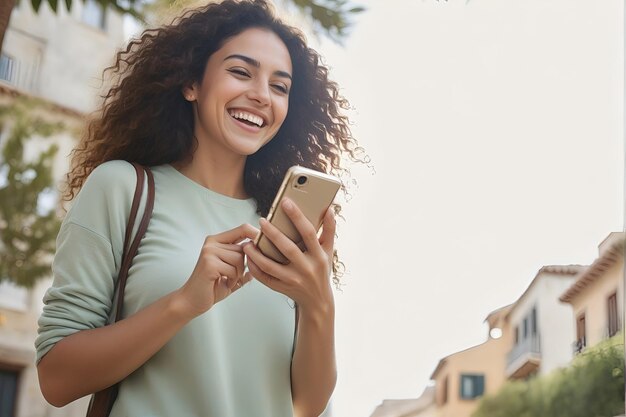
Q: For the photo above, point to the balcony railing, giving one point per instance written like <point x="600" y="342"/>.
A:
<point x="529" y="347"/>
<point x="579" y="345"/>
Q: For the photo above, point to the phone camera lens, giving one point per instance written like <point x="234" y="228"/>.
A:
<point x="302" y="180"/>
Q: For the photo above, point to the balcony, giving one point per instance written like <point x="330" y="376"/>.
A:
<point x="579" y="345"/>
<point x="524" y="359"/>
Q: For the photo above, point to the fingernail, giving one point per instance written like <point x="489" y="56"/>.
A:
<point x="262" y="221"/>
<point x="287" y="204"/>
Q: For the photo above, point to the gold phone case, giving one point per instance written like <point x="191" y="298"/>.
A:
<point x="313" y="192"/>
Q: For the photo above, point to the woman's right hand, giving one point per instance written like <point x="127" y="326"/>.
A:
<point x="92" y="359"/>
<point x="219" y="271"/>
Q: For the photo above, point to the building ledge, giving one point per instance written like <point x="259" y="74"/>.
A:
<point x="524" y="366"/>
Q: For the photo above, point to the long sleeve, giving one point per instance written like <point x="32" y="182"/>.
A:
<point x="88" y="254"/>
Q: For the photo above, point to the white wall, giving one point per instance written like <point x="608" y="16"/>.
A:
<point x="554" y="320"/>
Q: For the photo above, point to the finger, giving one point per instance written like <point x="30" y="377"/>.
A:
<point x="265" y="264"/>
<point x="232" y="258"/>
<point x="236" y="235"/>
<point x="303" y="225"/>
<point x="247" y="277"/>
<point x="264" y="278"/>
<point x="230" y="283"/>
<point x="215" y="268"/>
<point x="238" y="285"/>
<point x="234" y="247"/>
<point x="285" y="245"/>
<point x="221" y="289"/>
<point x="327" y="238"/>
<point x="232" y="280"/>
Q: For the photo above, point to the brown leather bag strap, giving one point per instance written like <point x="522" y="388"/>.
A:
<point x="133" y="208"/>
<point x="131" y="251"/>
<point x="102" y="401"/>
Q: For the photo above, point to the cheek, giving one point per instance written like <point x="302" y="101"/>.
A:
<point x="282" y="111"/>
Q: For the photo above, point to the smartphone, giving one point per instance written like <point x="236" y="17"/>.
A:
<point x="313" y="192"/>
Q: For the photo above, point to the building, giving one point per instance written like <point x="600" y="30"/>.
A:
<point x="57" y="58"/>
<point x="525" y="338"/>
<point x="538" y="322"/>
<point x="462" y="378"/>
<point x="60" y="57"/>
<point x="423" y="406"/>
<point x="597" y="295"/>
<point x="531" y="336"/>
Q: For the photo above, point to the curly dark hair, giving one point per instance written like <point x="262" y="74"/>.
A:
<point x="145" y="118"/>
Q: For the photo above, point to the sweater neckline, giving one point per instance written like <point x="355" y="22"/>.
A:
<point x="210" y="194"/>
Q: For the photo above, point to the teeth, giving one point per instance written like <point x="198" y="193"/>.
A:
<point x="238" y="114"/>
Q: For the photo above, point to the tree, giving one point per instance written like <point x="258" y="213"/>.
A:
<point x="27" y="230"/>
<point x="331" y="16"/>
<point x="592" y="386"/>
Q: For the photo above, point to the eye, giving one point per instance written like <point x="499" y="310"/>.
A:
<point x="239" y="71"/>
<point x="281" y="88"/>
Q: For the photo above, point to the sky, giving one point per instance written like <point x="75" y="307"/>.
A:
<point x="495" y="129"/>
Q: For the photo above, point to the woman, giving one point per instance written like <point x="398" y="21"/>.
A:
<point x="220" y="104"/>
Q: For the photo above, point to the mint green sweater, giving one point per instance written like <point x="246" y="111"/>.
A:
<point x="232" y="361"/>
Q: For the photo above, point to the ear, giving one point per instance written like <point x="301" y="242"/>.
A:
<point x="189" y="92"/>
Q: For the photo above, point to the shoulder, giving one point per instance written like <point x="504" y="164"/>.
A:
<point x="106" y="195"/>
<point x="112" y="180"/>
<point x="112" y="176"/>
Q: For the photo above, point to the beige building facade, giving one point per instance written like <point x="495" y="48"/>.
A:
<point x="565" y="309"/>
<point x="525" y="338"/>
<point x="60" y="56"/>
<point x="423" y="406"/>
<point x="597" y="296"/>
<point x="461" y="379"/>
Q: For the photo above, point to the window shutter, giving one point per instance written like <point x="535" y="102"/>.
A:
<point x="479" y="385"/>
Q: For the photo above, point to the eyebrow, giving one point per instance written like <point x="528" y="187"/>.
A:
<point x="255" y="63"/>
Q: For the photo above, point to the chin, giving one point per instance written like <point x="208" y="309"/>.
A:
<point x="247" y="147"/>
<point x="246" y="150"/>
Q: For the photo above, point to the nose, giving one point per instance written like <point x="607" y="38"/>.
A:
<point x="260" y="92"/>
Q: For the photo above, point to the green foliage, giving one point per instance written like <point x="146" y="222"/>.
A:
<point x="592" y="386"/>
<point x="27" y="236"/>
<point x="511" y="400"/>
<point x="330" y="16"/>
<point x="131" y="7"/>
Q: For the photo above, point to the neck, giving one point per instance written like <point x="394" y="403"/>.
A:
<point x="217" y="171"/>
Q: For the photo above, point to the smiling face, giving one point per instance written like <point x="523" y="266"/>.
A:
<point x="243" y="97"/>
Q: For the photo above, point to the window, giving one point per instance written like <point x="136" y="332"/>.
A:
<point x="612" y="313"/>
<point x="533" y="322"/>
<point x="472" y="386"/>
<point x="581" y="335"/>
<point x="516" y="333"/>
<point x="94" y="14"/>
<point x="7" y="68"/>
<point x="8" y="391"/>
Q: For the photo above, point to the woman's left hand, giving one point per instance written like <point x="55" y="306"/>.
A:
<point x="306" y="278"/>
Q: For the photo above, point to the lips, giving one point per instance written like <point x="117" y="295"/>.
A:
<point x="247" y="117"/>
